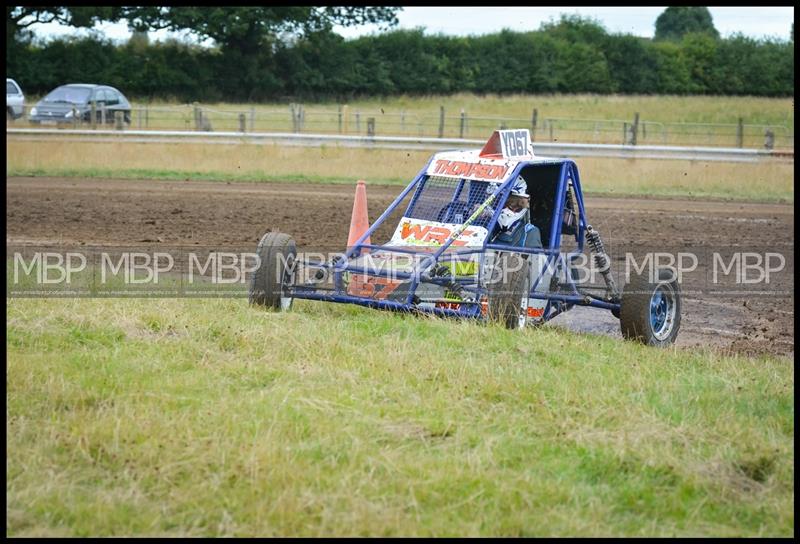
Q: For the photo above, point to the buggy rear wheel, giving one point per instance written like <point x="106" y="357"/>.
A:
<point x="650" y="312"/>
<point x="508" y="290"/>
<point x="268" y="286"/>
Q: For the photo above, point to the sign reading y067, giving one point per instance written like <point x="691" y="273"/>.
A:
<point x="515" y="142"/>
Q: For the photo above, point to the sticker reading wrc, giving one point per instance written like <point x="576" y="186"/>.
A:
<point x="427" y="233"/>
<point x="472" y="170"/>
<point x="423" y="234"/>
<point x="419" y="232"/>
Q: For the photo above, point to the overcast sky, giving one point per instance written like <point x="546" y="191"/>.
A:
<point x="755" y="22"/>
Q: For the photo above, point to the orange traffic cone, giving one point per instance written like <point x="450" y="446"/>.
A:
<point x="359" y="221"/>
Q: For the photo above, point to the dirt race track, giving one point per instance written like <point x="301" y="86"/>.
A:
<point x="130" y="212"/>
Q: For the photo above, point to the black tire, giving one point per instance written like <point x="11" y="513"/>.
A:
<point x="267" y="285"/>
<point x="508" y="284"/>
<point x="650" y="312"/>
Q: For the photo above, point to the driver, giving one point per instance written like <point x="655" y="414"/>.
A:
<point x="514" y="225"/>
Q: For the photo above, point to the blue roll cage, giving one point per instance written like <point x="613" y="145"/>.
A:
<point x="556" y="303"/>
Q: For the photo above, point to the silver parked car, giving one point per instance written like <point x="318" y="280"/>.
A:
<point x="15" y="100"/>
<point x="67" y="103"/>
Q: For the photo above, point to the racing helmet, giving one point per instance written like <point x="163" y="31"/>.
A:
<point x="516" y="205"/>
<point x="520" y="187"/>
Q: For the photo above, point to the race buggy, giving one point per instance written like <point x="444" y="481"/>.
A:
<point x="444" y="259"/>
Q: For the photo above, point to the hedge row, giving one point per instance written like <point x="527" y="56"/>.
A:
<point x="561" y="58"/>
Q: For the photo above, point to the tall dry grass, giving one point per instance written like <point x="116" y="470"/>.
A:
<point x="768" y="180"/>
<point x="419" y="116"/>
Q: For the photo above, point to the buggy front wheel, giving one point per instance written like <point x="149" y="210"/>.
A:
<point x="650" y="311"/>
<point x="270" y="281"/>
<point x="508" y="289"/>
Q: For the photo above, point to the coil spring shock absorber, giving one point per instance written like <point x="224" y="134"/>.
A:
<point x="601" y="260"/>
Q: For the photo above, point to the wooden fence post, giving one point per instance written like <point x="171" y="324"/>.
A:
<point x="441" y="121"/>
<point x="370" y="126"/>
<point x="463" y="123"/>
<point x="93" y="118"/>
<point x="769" y="139"/>
<point x="534" y="119"/>
<point x="340" y="118"/>
<point x="242" y="122"/>
<point x="301" y="118"/>
<point x="252" y="119"/>
<point x="740" y="133"/>
<point x="635" y="128"/>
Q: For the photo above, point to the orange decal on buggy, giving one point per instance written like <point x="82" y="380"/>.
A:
<point x="470" y="169"/>
<point x="371" y="286"/>
<point x="535" y="312"/>
<point x="431" y="234"/>
<point x="417" y="231"/>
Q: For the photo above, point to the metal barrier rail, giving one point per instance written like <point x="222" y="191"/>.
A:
<point x="546" y="149"/>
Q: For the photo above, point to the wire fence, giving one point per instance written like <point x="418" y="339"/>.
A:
<point x="346" y="120"/>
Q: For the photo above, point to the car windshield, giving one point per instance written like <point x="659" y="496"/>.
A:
<point x="69" y="95"/>
<point x="11" y="88"/>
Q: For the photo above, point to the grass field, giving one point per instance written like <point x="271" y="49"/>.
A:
<point x="663" y="108"/>
<point x="665" y="120"/>
<point x="767" y="181"/>
<point x="207" y="417"/>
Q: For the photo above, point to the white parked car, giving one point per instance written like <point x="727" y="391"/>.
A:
<point x="15" y="100"/>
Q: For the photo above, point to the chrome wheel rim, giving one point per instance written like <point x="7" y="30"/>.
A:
<point x="663" y="308"/>
<point x="286" y="280"/>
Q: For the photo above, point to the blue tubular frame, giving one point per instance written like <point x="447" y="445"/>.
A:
<point x="359" y="243"/>
<point x="466" y="309"/>
<point x="556" y="303"/>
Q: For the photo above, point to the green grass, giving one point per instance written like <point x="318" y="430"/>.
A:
<point x="208" y="417"/>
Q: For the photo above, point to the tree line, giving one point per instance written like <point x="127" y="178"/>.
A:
<point x="572" y="55"/>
